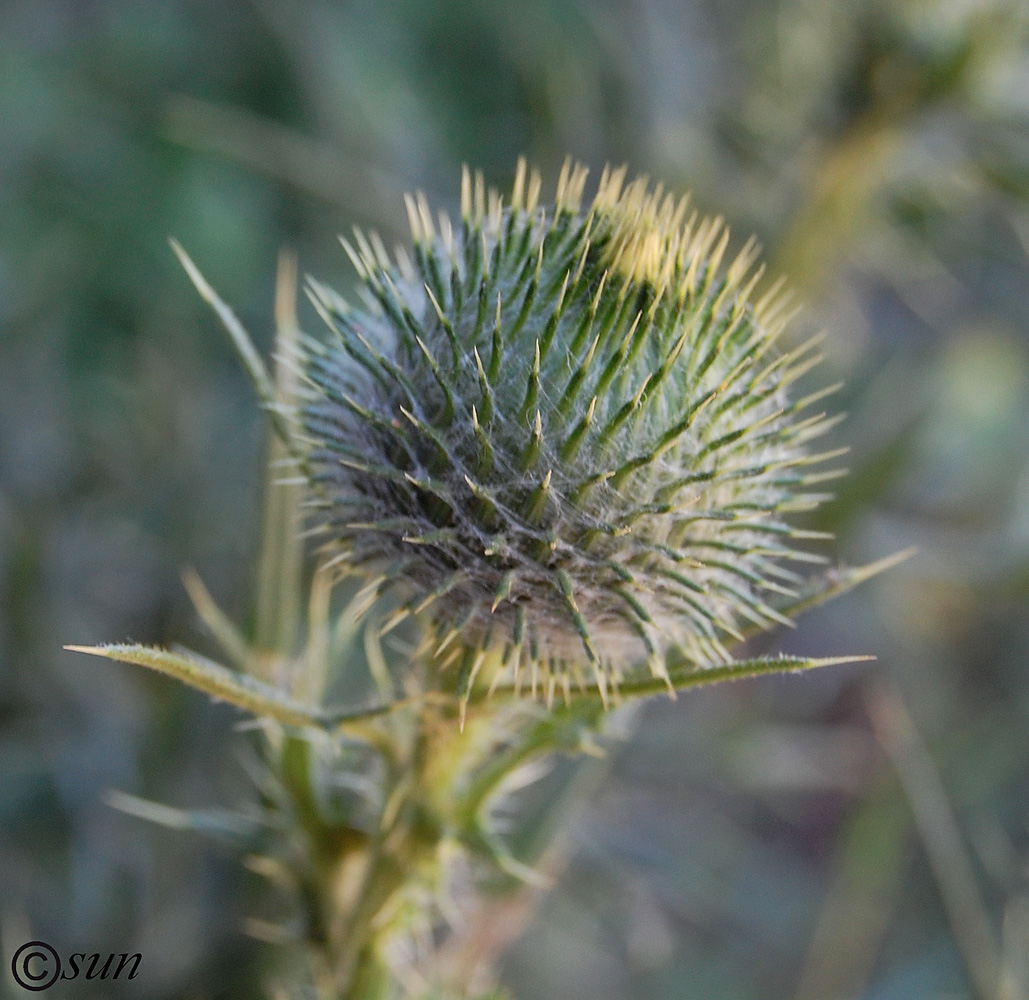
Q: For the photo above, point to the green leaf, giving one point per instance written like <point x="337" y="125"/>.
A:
<point x="241" y="341"/>
<point x="836" y="582"/>
<point x="218" y="623"/>
<point x="248" y="693"/>
<point x="220" y="682"/>
<point x="683" y="678"/>
<point x="220" y="824"/>
<point x="279" y="587"/>
<point x="640" y="684"/>
<point x="560" y="729"/>
<point x="487" y="845"/>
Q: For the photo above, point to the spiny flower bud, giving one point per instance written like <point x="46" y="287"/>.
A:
<point x="563" y="434"/>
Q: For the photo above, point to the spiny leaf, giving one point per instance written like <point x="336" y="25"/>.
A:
<point x="221" y="627"/>
<point x="240" y="831"/>
<point x="252" y="362"/>
<point x="684" y="678"/>
<point x="247" y="693"/>
<point x="836" y="583"/>
<point x="220" y="682"/>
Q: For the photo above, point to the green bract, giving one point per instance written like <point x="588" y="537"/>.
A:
<point x="563" y="434"/>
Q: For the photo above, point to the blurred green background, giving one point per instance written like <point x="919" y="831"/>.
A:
<point x="860" y="833"/>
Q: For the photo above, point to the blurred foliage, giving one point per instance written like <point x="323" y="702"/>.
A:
<point x="781" y="838"/>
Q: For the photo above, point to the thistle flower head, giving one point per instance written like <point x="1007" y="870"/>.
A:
<point x="563" y="433"/>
